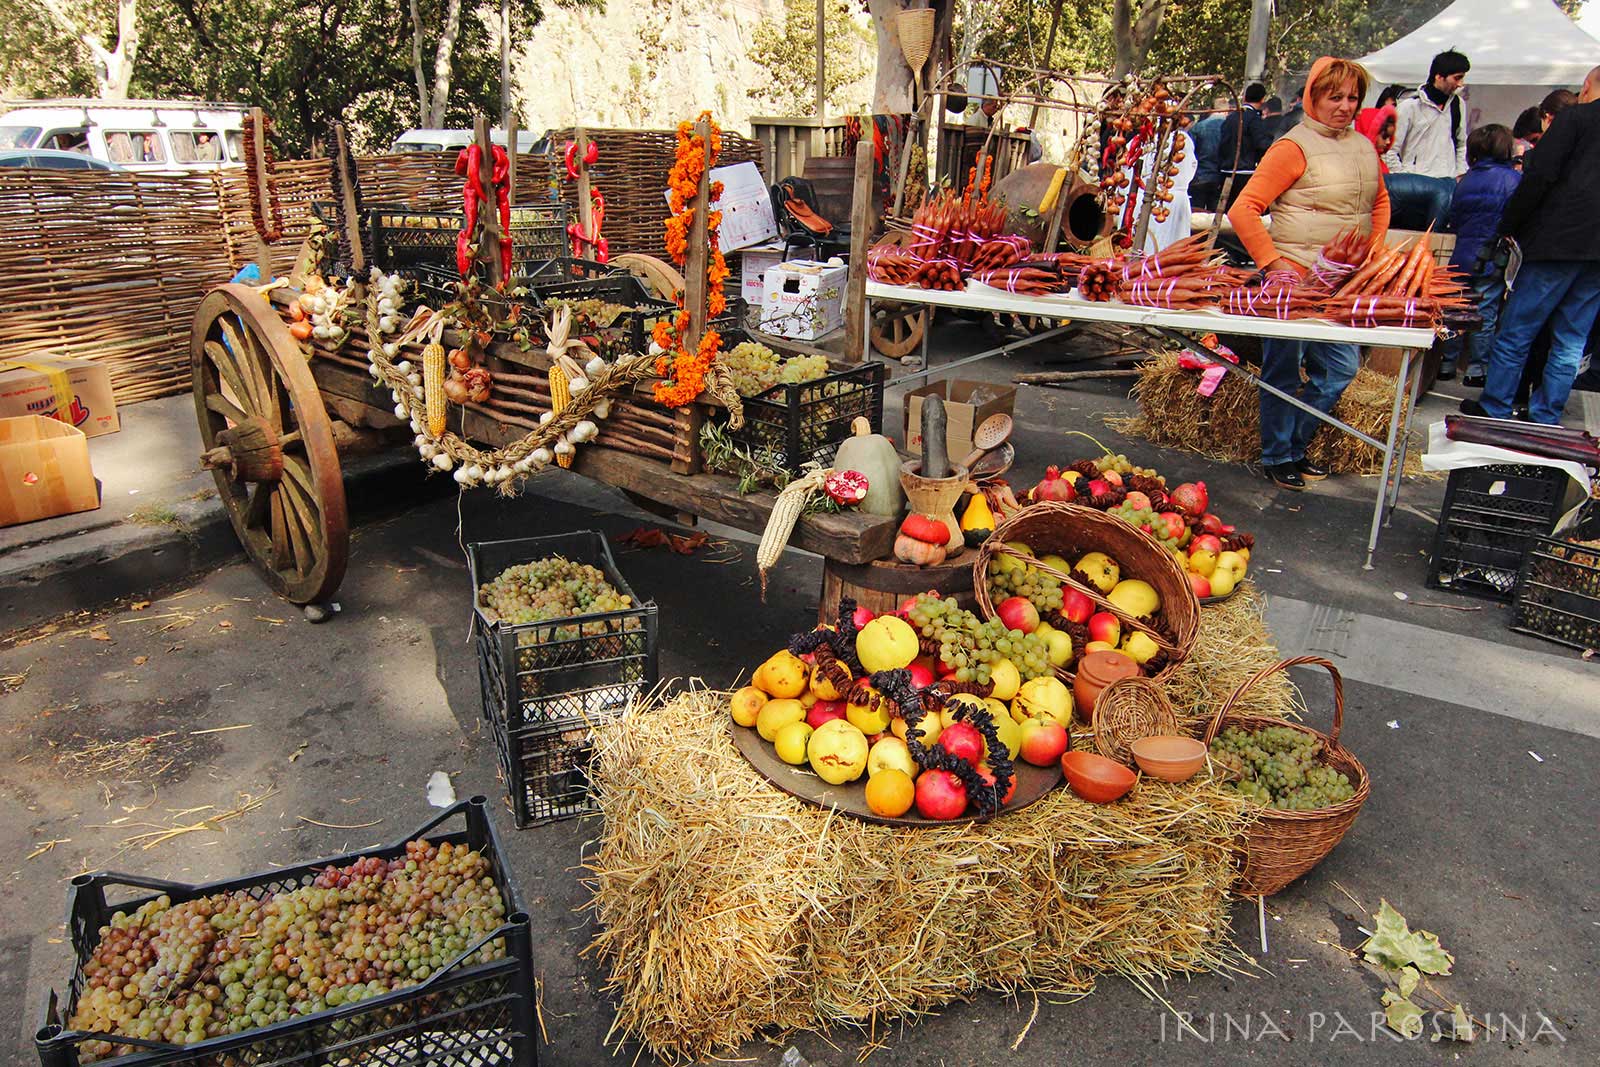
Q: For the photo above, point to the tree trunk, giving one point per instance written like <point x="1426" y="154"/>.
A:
<point x="892" y="86"/>
<point x="113" y="69"/>
<point x="442" y="59"/>
<point x="1134" y="24"/>
<point x="424" y="107"/>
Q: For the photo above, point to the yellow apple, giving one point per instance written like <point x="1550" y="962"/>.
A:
<point x="1203" y="562"/>
<point x="891" y="753"/>
<point x="1222" y="582"/>
<point x="1140" y="646"/>
<point x="1003" y="673"/>
<point x="1233" y="562"/>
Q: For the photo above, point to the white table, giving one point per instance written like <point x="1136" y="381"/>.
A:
<point x="1183" y="326"/>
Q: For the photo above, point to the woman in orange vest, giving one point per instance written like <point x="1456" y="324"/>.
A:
<point x="1317" y="181"/>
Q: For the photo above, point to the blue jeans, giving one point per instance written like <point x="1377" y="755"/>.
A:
<point x="1567" y="294"/>
<point x="1418" y="202"/>
<point x="1489" y="289"/>
<point x="1285" y="429"/>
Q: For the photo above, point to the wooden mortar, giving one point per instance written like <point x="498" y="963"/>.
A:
<point x="936" y="498"/>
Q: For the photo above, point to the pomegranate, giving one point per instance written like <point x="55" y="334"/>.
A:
<point x="863" y="616"/>
<point x="824" y="710"/>
<point x="1018" y="613"/>
<point x="1054" y="487"/>
<point x="940" y="795"/>
<point x="1098" y="487"/>
<point x="846" y="488"/>
<point x="1214" y="525"/>
<point x="1190" y="498"/>
<point x="963" y="741"/>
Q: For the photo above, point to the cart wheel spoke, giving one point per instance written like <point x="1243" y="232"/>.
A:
<point x="281" y="483"/>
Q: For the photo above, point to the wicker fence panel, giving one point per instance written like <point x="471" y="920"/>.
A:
<point x="108" y="267"/>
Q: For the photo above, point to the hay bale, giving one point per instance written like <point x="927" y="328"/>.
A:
<point x="1227" y="424"/>
<point x="1233" y="644"/>
<point x="727" y="907"/>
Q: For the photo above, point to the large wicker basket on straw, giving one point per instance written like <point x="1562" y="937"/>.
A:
<point x="1282" y="845"/>
<point x="1071" y="530"/>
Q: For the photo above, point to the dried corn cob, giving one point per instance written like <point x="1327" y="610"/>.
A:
<point x="560" y="397"/>
<point x="780" y="524"/>
<point x="433" y="387"/>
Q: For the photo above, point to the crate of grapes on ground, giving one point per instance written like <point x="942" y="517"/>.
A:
<point x="563" y="646"/>
<point x="416" y="953"/>
<point x="798" y="408"/>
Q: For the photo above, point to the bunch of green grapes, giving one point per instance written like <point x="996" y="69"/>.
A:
<point x="228" y="962"/>
<point x="1146" y="520"/>
<point x="1280" y="768"/>
<point x="754" y="367"/>
<point x="800" y="369"/>
<point x="1120" y="464"/>
<point x="971" y="645"/>
<point x="1043" y="590"/>
<point x="551" y="588"/>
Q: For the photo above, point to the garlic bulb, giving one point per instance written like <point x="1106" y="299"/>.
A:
<point x="602" y="407"/>
<point x="564" y="447"/>
<point x="585" y="431"/>
<point x="544" y="420"/>
<point x="594" y="366"/>
<point x="443" y="461"/>
<point x="541" y="457"/>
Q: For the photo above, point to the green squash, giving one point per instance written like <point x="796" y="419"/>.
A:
<point x="873" y="455"/>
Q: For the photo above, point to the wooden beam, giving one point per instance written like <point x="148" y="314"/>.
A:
<point x="347" y="209"/>
<point x="488" y="213"/>
<point x="511" y="156"/>
<point x="862" y="219"/>
<point x="580" y="138"/>
<point x="699" y="253"/>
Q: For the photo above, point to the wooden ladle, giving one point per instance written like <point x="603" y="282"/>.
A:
<point x="990" y="435"/>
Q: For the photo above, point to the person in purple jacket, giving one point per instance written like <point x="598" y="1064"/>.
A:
<point x="1480" y="197"/>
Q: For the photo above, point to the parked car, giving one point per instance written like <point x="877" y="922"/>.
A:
<point x="54" y="159"/>
<point x="528" y="142"/>
<point x="143" y="135"/>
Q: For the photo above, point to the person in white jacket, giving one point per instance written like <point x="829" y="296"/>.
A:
<point x="1430" y="146"/>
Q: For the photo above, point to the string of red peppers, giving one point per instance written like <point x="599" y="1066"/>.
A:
<point x="468" y="165"/>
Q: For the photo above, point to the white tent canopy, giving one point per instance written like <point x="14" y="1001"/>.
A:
<point x="1519" y="50"/>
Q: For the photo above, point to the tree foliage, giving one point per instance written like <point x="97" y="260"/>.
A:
<point x="787" y="50"/>
<point x="307" y="63"/>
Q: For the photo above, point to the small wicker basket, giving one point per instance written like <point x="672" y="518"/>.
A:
<point x="1128" y="709"/>
<point x="1070" y="530"/>
<point x="1280" y="846"/>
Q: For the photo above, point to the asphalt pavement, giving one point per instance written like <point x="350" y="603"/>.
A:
<point x="1481" y="827"/>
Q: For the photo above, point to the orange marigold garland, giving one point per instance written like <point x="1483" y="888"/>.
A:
<point x="683" y="372"/>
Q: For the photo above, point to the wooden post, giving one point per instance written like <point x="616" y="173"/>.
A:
<point x="511" y="156"/>
<point x="488" y="212"/>
<point x="585" y="205"/>
<point x="347" y="209"/>
<point x="699" y="253"/>
<point x="861" y="220"/>
<point x="260" y="187"/>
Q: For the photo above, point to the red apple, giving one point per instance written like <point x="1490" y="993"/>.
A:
<point x="1175" y="523"/>
<point x="824" y="710"/>
<point x="963" y="741"/>
<point x="940" y="795"/>
<point x="921" y="675"/>
<point x="1099" y="487"/>
<point x="1076" y="605"/>
<point x="863" y="616"/>
<point x="1018" y="613"/>
<point x="1207" y="542"/>
<point x="1136" y="499"/>
<point x="1114" y="477"/>
<point x="1199" y="583"/>
<point x="946" y="670"/>
<point x="1104" y="626"/>
<point x="988" y="778"/>
<point x="1043" y="741"/>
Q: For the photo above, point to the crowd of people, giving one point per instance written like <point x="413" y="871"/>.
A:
<point x="1518" y="200"/>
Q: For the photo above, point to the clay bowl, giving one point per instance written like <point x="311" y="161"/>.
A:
<point x="1095" y="778"/>
<point x="1171" y="759"/>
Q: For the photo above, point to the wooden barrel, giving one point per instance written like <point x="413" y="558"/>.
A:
<point x="880" y="586"/>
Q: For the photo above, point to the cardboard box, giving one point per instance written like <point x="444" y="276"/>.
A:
<point x="44" y="470"/>
<point x="1441" y="244"/>
<point x="803" y="299"/>
<point x="753" y="266"/>
<point x="74" y="391"/>
<point x="961" y="415"/>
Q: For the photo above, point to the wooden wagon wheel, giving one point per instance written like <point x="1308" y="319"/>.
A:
<point x="660" y="277"/>
<point x="269" y="443"/>
<point x="897" y="328"/>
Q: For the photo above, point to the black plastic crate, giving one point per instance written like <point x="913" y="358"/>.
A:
<point x="1490" y="516"/>
<point x="546" y="685"/>
<point x="792" y="425"/>
<point x="1558" y="593"/>
<point x="463" y="1015"/>
<point x="622" y="289"/>
<point x="423" y="243"/>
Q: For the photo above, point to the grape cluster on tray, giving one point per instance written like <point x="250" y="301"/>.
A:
<point x="228" y="962"/>
<point x="971" y="645"/>
<point x="1280" y="767"/>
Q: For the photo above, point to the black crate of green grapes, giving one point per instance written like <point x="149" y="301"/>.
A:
<point x="563" y="646"/>
<point x="797" y="409"/>
<point x="416" y="953"/>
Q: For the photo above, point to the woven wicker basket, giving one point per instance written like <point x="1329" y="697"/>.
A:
<point x="915" y="28"/>
<point x="1070" y="530"/>
<point x="1282" y="845"/>
<point x="1125" y="711"/>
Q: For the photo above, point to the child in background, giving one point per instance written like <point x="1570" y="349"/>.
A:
<point x="1475" y="211"/>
